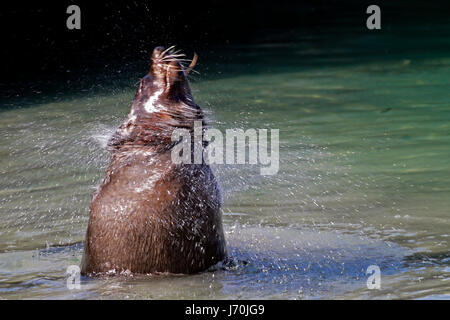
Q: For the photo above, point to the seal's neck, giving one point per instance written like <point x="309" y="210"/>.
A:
<point x="155" y="112"/>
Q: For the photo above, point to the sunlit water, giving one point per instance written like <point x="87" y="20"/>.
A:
<point x="364" y="174"/>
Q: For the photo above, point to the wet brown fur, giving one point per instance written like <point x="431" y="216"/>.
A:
<point x="151" y="215"/>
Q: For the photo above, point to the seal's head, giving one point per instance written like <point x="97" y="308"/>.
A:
<point x="167" y="69"/>
<point x="163" y="102"/>
<point x="166" y="80"/>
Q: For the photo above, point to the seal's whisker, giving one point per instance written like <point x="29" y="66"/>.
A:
<point x="174" y="55"/>
<point x="168" y="49"/>
<point x="191" y="76"/>
<point x="172" y="60"/>
<point x="174" y="52"/>
<point x="169" y="59"/>
<point x="176" y="58"/>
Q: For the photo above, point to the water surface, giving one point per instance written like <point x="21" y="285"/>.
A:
<point x="364" y="174"/>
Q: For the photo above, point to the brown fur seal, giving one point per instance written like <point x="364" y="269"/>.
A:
<point x="151" y="215"/>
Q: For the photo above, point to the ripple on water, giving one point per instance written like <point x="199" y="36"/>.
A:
<point x="270" y="262"/>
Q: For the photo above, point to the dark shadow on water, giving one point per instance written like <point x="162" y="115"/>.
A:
<point x="291" y="51"/>
<point x="69" y="247"/>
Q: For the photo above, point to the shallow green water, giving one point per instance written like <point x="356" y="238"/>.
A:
<point x="364" y="173"/>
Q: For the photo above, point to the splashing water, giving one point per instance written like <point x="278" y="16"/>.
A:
<point x="363" y="178"/>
